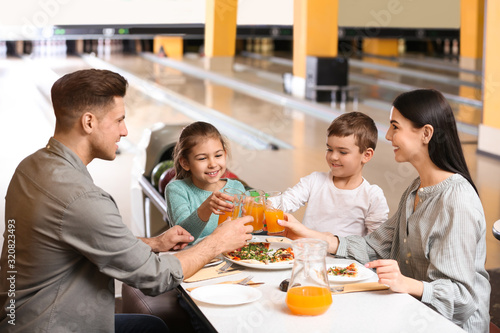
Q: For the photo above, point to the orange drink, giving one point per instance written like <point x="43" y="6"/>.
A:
<point x="223" y="217"/>
<point x="255" y="208"/>
<point x="274" y="211"/>
<point x="236" y="198"/>
<point x="308" y="300"/>
<point x="272" y="217"/>
<point x="257" y="211"/>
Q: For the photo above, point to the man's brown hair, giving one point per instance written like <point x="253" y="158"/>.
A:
<point x="85" y="90"/>
<point x="358" y="124"/>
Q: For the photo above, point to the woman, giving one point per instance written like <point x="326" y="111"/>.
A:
<point x="434" y="247"/>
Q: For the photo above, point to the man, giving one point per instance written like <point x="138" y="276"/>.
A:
<point x="65" y="241"/>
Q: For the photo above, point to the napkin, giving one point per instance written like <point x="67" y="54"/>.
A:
<point x="210" y="273"/>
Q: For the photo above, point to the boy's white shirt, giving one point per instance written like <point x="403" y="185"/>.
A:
<point x="341" y="212"/>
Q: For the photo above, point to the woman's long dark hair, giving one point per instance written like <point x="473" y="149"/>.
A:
<point x="428" y="106"/>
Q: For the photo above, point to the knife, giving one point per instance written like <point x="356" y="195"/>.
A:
<point x="355" y="287"/>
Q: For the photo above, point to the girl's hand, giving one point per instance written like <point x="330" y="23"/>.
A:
<point x="215" y="204"/>
<point x="218" y="204"/>
<point x="389" y="274"/>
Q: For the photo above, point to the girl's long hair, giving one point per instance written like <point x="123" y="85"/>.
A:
<point x="190" y="136"/>
<point x="428" y="106"/>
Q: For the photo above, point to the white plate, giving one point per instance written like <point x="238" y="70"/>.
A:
<point x="363" y="274"/>
<point x="226" y="294"/>
<point x="214" y="262"/>
<point x="260" y="265"/>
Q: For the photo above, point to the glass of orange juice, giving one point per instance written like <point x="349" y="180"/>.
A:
<point x="308" y="291"/>
<point x="237" y="197"/>
<point x="274" y="212"/>
<point x="254" y="206"/>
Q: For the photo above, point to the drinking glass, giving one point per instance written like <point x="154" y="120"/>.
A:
<point x="308" y="291"/>
<point x="274" y="212"/>
<point x="254" y="206"/>
<point x="237" y="197"/>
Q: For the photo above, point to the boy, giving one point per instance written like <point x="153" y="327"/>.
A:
<point x="342" y="201"/>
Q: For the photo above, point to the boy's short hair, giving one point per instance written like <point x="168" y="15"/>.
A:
<point x="357" y="123"/>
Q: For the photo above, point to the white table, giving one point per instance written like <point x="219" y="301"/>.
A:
<point x="373" y="311"/>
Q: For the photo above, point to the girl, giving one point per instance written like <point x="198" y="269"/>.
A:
<point x="194" y="199"/>
<point x="434" y="247"/>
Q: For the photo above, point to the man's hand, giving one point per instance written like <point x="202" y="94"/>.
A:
<point x="228" y="236"/>
<point x="233" y="234"/>
<point x="175" y="238"/>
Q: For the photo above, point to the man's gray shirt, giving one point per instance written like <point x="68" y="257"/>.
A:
<point x="70" y="242"/>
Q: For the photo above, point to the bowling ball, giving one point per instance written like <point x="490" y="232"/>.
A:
<point x="158" y="170"/>
<point x="165" y="178"/>
<point x="229" y="175"/>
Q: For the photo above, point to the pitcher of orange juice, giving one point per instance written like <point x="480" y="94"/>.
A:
<point x="308" y="291"/>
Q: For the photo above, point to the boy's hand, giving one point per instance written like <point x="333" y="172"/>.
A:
<point x="293" y="228"/>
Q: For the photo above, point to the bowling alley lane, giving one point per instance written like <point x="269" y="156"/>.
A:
<point x="266" y="168"/>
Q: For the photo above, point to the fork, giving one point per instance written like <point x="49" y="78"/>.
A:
<point x="224" y="268"/>
<point x="244" y="282"/>
<point x="337" y="289"/>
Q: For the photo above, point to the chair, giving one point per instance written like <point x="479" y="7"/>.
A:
<point x="160" y="146"/>
<point x="165" y="306"/>
<point x="496" y="233"/>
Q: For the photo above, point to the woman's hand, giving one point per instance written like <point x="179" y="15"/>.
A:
<point x="389" y="274"/>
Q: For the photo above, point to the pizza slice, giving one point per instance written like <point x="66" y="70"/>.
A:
<point x="282" y="254"/>
<point x="252" y="252"/>
<point x="348" y="271"/>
